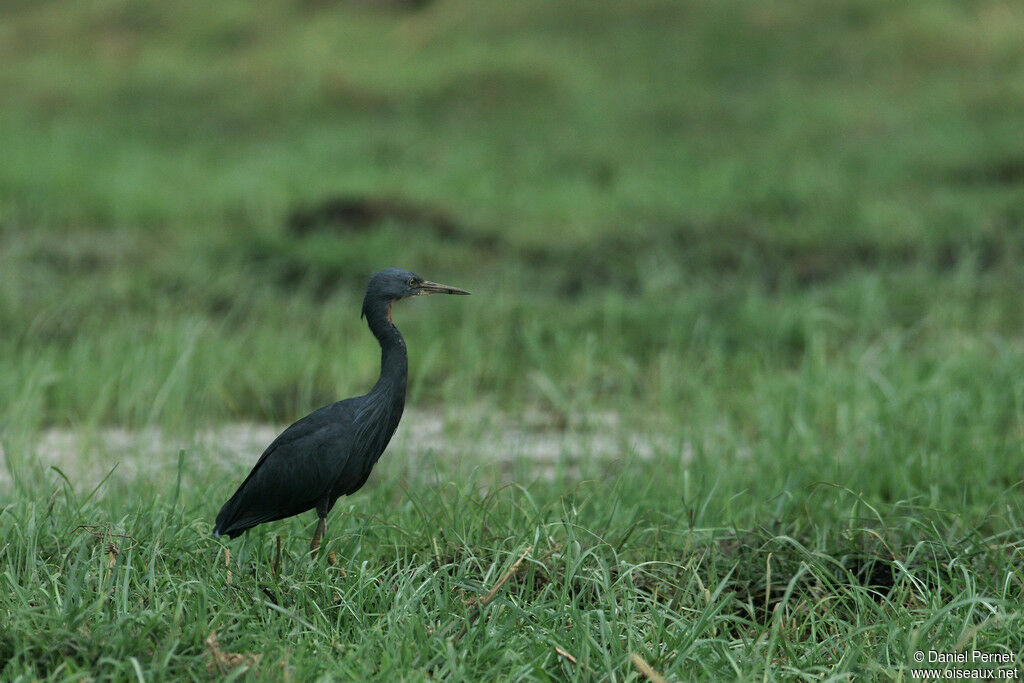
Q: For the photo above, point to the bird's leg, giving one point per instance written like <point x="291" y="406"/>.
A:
<point x="321" y="527"/>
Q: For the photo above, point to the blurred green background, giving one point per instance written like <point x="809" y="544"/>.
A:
<point x="741" y="382"/>
<point x="656" y="204"/>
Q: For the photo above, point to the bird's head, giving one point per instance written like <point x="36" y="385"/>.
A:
<point x="392" y="284"/>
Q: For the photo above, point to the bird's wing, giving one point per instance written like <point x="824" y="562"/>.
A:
<point x="373" y="424"/>
<point x="295" y="471"/>
<point x="302" y="434"/>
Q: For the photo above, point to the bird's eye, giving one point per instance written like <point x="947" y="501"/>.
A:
<point x="412" y="283"/>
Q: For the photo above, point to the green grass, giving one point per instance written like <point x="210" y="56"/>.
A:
<point x="706" y="560"/>
<point x="782" y="239"/>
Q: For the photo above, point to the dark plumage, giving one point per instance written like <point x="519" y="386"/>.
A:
<point x="330" y="452"/>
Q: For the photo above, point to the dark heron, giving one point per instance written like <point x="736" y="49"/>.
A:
<point x="330" y="452"/>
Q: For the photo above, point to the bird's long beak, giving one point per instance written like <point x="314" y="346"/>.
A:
<point x="434" y="288"/>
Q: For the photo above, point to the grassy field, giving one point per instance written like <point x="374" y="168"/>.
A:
<point x="765" y="255"/>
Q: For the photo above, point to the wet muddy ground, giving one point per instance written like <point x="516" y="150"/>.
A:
<point x="423" y="438"/>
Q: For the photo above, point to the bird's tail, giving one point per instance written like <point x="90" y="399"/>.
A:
<point x="238" y="516"/>
<point x="227" y="523"/>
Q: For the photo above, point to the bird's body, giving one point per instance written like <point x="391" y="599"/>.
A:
<point x="330" y="452"/>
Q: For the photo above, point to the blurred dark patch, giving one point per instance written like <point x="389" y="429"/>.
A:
<point x="744" y="245"/>
<point x="989" y="253"/>
<point x="740" y="246"/>
<point x="491" y="90"/>
<point x="604" y="262"/>
<point x="338" y="91"/>
<point x="131" y="17"/>
<point x="70" y="261"/>
<point x="357" y="214"/>
<point x="600" y="264"/>
<point x="83" y="252"/>
<point x="234" y="36"/>
<point x="344" y="217"/>
<point x="1006" y="171"/>
<point x="600" y="173"/>
<point x="384" y="5"/>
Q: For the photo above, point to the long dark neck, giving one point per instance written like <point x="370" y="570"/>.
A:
<point x="394" y="361"/>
